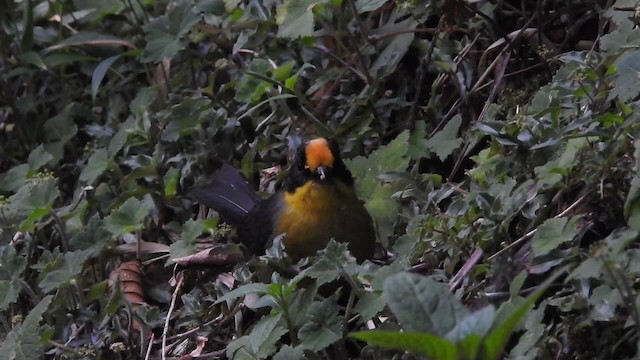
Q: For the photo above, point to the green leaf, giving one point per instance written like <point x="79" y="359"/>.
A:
<point x="494" y="343"/>
<point x="23" y="342"/>
<point x="392" y="157"/>
<point x="70" y="267"/>
<point x="250" y="88"/>
<point x="323" y="327"/>
<point x="625" y="81"/>
<point x="128" y="218"/>
<point x="369" y="305"/>
<point x="97" y="163"/>
<point x="433" y="347"/>
<point x="254" y="288"/>
<point x="445" y="141"/>
<point x="58" y="130"/>
<point x="12" y="266"/>
<point x="265" y="335"/>
<point x="39" y="158"/>
<point x="329" y="264"/>
<point x="171" y="179"/>
<point x="34" y="200"/>
<point x="99" y="72"/>
<point x="13" y="179"/>
<point x="421" y="304"/>
<point x="368" y="5"/>
<point x="477" y="323"/>
<point x="389" y="58"/>
<point x="187" y="243"/>
<point x="289" y="353"/>
<point x="295" y="18"/>
<point x="165" y="34"/>
<point x="552" y="233"/>
<point x="418" y="142"/>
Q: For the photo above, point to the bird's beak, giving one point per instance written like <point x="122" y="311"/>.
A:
<point x="322" y="172"/>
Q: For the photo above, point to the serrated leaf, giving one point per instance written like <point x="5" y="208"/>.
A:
<point x="552" y="233"/>
<point x="128" y="218"/>
<point x="328" y="265"/>
<point x="265" y="335"/>
<point x="392" y="157"/>
<point x="422" y="305"/>
<point x="445" y="141"/>
<point x="97" y="163"/>
<point x="165" y="34"/>
<point x="70" y="267"/>
<point x="12" y="266"/>
<point x="323" y="328"/>
<point x="433" y="347"/>
<point x="23" y="342"/>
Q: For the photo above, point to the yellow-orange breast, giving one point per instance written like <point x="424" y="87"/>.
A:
<point x="316" y="212"/>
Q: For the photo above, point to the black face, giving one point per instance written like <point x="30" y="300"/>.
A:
<point x="299" y="173"/>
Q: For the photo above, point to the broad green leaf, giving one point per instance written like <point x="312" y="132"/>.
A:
<point x="38" y="158"/>
<point x="128" y="218"/>
<point x="34" y="200"/>
<point x="265" y="335"/>
<point x="477" y="323"/>
<point x="369" y="305"/>
<point x="422" y="305"/>
<point x="625" y="81"/>
<point x="368" y="5"/>
<point x="97" y="163"/>
<point x="418" y="141"/>
<point x="12" y="266"/>
<point x="445" y="141"/>
<point x="289" y="353"/>
<point x="13" y="179"/>
<point x="329" y="264"/>
<point x="250" y="88"/>
<point x="70" y="267"/>
<point x="552" y="233"/>
<point x="23" y="342"/>
<point x="392" y="157"/>
<point x="187" y="243"/>
<point x="433" y="347"/>
<point x="99" y="72"/>
<point x="165" y="35"/>
<point x="323" y="327"/>
<point x="494" y="343"/>
<point x="295" y="18"/>
<point x="389" y="58"/>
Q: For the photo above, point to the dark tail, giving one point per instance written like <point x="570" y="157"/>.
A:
<point x="228" y="194"/>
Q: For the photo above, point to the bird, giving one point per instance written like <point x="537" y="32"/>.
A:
<point x="317" y="203"/>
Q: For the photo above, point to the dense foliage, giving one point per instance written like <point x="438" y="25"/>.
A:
<point x="493" y="142"/>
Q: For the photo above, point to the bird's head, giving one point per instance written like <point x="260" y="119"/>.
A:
<point x="318" y="160"/>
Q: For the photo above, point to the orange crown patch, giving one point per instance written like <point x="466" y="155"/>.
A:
<point x="318" y="154"/>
